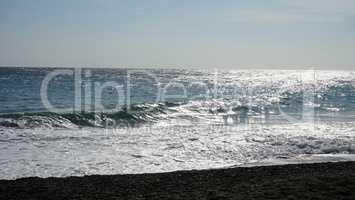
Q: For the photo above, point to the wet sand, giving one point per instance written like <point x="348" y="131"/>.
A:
<point x="301" y="181"/>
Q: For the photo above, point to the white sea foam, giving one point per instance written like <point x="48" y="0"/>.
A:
<point x="164" y="147"/>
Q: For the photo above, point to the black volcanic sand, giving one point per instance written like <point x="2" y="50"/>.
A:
<point x="306" y="181"/>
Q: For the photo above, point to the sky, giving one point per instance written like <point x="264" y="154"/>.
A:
<point x="235" y="34"/>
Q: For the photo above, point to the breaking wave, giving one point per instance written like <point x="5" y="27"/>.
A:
<point x="328" y="99"/>
<point x="136" y="115"/>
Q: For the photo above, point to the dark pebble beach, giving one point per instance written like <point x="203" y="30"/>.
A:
<point x="298" y="181"/>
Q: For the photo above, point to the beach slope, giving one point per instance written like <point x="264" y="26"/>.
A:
<point x="301" y="181"/>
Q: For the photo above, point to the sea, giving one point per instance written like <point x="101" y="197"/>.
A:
<point x="59" y="122"/>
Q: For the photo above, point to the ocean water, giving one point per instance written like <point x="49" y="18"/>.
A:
<point x="66" y="122"/>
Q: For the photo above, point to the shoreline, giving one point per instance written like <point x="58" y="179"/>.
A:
<point x="334" y="180"/>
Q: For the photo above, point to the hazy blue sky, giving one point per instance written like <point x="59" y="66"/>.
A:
<point x="187" y="33"/>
